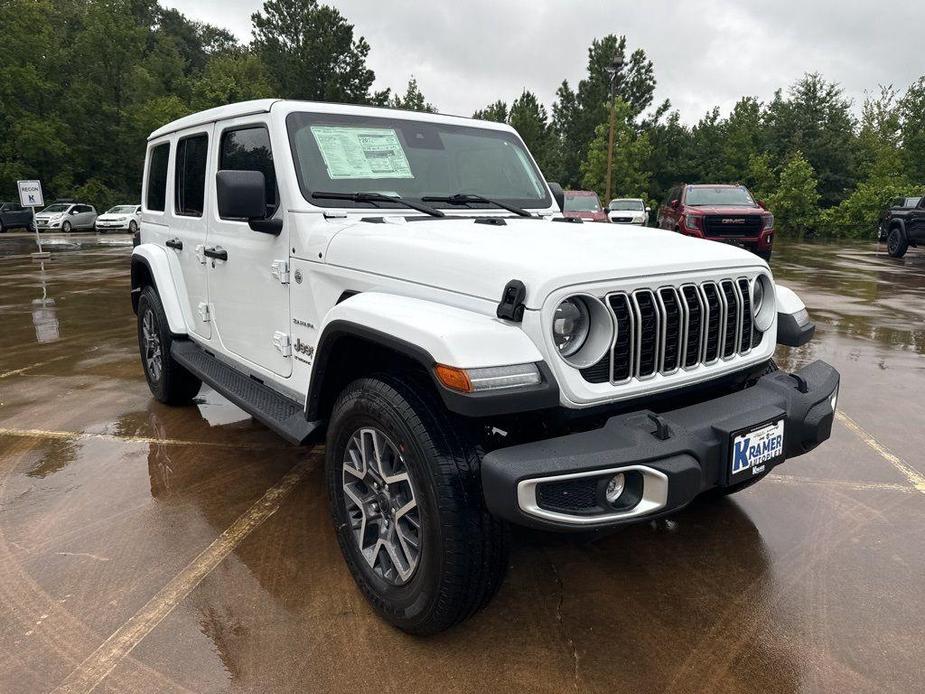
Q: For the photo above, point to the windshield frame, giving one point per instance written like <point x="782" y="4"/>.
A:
<point x="296" y="120"/>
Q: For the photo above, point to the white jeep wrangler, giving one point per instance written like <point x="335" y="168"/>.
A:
<point x="406" y="284"/>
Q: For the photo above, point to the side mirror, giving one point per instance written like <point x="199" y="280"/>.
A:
<point x="648" y="210"/>
<point x="675" y="203"/>
<point x="558" y="194"/>
<point x="242" y="195"/>
<point x="762" y="204"/>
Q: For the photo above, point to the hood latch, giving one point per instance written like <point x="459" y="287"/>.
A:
<point x="512" y="301"/>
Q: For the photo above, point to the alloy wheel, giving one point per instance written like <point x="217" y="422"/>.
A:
<point x="381" y="505"/>
<point x="152" y="345"/>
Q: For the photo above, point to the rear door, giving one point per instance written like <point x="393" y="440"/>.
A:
<point x="246" y="286"/>
<point x="917" y="222"/>
<point x="188" y="224"/>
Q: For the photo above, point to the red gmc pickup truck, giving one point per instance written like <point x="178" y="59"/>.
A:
<point x="725" y="213"/>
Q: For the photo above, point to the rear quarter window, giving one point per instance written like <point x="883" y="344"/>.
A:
<point x="157" y="177"/>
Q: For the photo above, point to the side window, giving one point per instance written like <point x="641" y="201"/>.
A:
<point x="190" y="178"/>
<point x="248" y="149"/>
<point x="157" y="177"/>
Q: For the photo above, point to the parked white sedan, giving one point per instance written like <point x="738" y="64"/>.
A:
<point x="120" y="218"/>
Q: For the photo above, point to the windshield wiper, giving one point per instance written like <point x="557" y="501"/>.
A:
<point x="380" y="197"/>
<point x="466" y="198"/>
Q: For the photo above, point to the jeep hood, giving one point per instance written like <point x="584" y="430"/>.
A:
<point x="478" y="259"/>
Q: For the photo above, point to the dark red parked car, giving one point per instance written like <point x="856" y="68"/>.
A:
<point x="584" y="204"/>
<point x="725" y="213"/>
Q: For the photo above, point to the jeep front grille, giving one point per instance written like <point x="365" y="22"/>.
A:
<point x="665" y="330"/>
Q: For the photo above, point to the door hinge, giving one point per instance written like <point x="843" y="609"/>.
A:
<point x="201" y="253"/>
<point x="205" y="315"/>
<point x="282" y="343"/>
<point x="280" y="270"/>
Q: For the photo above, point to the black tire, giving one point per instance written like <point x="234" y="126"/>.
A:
<point x="764" y="255"/>
<point x="132" y="227"/>
<point x="171" y="384"/>
<point x="896" y="243"/>
<point x="2" y="228"/>
<point x="463" y="550"/>
<point x="66" y="227"/>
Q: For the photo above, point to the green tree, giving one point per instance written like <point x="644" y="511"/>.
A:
<point x="412" y="99"/>
<point x="496" y="112"/>
<point x="759" y="176"/>
<point x="576" y="114"/>
<point x="911" y="111"/>
<point x="529" y="118"/>
<point x="631" y="153"/>
<point x="816" y="119"/>
<point x="310" y="52"/>
<point x="795" y="203"/>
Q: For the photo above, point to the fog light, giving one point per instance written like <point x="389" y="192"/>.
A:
<point x="615" y="487"/>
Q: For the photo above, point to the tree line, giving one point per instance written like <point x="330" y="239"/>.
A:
<point x="83" y="82"/>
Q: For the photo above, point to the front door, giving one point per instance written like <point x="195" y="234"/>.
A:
<point x="248" y="297"/>
<point x="917" y="223"/>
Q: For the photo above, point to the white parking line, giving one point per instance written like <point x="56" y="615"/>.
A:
<point x="909" y="472"/>
<point x="101" y="662"/>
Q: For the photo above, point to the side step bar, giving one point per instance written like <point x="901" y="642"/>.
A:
<point x="281" y="414"/>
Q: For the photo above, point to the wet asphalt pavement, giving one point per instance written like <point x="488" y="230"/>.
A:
<point x="145" y="548"/>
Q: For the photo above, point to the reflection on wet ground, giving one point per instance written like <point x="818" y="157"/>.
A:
<point x="158" y="549"/>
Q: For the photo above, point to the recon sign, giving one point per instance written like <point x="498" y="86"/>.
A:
<point x="30" y="193"/>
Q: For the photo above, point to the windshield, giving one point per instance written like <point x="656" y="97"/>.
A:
<point x="55" y="208"/>
<point x="121" y="209"/>
<point x="582" y="203"/>
<point x="720" y="195"/>
<point x="414" y="159"/>
<point x="629" y="205"/>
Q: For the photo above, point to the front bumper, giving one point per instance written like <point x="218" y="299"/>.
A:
<point x="111" y="226"/>
<point x="672" y="457"/>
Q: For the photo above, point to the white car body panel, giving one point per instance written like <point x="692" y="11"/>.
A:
<point x="787" y="300"/>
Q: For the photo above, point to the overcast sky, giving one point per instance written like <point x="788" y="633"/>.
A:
<point x="468" y="53"/>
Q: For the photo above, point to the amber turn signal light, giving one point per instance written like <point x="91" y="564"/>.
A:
<point x="453" y="378"/>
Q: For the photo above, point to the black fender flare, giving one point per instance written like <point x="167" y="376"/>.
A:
<point x="542" y="396"/>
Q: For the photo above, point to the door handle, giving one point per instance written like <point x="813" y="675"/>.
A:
<point x="216" y="252"/>
<point x="174" y="243"/>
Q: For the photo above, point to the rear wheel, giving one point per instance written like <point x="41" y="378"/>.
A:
<point x="896" y="243"/>
<point x="132" y="227"/>
<point x="168" y="380"/>
<point x="403" y="485"/>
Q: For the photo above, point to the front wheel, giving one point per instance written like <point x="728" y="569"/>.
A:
<point x="896" y="244"/>
<point x="169" y="382"/>
<point x="403" y="486"/>
<point x="66" y="227"/>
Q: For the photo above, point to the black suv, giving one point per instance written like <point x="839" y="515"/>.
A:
<point x="14" y="216"/>
<point x="903" y="225"/>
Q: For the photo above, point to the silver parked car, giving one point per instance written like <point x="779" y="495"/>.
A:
<point x="66" y="216"/>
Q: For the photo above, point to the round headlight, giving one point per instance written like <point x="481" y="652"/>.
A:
<point x="571" y="325"/>
<point x="763" y="305"/>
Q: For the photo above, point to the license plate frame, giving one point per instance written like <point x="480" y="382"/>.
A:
<point x="755" y="461"/>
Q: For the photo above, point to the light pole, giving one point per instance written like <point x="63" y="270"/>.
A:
<point x="614" y="70"/>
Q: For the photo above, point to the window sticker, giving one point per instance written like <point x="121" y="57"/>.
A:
<point x="361" y="152"/>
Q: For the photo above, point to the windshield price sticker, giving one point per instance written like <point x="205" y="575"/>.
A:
<point x="361" y="152"/>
